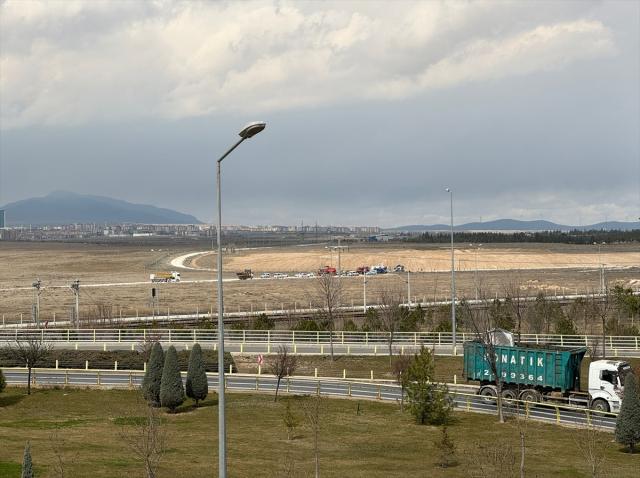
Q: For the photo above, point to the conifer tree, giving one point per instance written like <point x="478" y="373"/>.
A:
<point x="27" y="465"/>
<point x="197" y="385"/>
<point x="171" y="388"/>
<point x="3" y="382"/>
<point x="153" y="376"/>
<point x="628" y="421"/>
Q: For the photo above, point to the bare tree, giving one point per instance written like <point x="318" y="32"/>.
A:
<point x="390" y="314"/>
<point x="601" y="305"/>
<point x="329" y="290"/>
<point x="399" y="369"/>
<point x="282" y="364"/>
<point x="491" y="459"/>
<point x="146" y="344"/>
<point x="483" y="324"/>
<point x="517" y="302"/>
<point x="312" y="409"/>
<point x="31" y="351"/>
<point x="592" y="446"/>
<point x="58" y="445"/>
<point x="146" y="438"/>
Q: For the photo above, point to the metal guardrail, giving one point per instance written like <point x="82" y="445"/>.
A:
<point x="357" y="389"/>
<point x="135" y="336"/>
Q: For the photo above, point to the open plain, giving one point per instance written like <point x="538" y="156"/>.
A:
<point x="116" y="276"/>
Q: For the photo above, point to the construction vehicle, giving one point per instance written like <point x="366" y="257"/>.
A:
<point x="398" y="268"/>
<point x="172" y="276"/>
<point x="544" y="373"/>
<point x="245" y="274"/>
<point x="327" y="270"/>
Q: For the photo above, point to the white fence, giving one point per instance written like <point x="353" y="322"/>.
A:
<point x="135" y="336"/>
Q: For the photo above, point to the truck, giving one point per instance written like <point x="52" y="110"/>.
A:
<point x="544" y="374"/>
<point x="172" y="276"/>
<point x="327" y="270"/>
<point x="245" y="274"/>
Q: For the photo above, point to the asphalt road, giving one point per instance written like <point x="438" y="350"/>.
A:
<point x="464" y="397"/>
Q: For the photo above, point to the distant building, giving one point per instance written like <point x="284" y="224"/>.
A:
<point x="1" y="218"/>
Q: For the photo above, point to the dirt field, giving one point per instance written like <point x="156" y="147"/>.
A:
<point x="552" y="268"/>
<point x="435" y="258"/>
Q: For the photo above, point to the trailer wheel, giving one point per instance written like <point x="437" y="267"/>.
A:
<point x="600" y="405"/>
<point x="489" y="393"/>
<point x="509" y="394"/>
<point x="530" y="395"/>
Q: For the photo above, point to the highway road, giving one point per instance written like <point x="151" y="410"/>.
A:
<point x="313" y="343"/>
<point x="463" y="396"/>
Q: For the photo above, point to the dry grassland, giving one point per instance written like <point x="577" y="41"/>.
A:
<point x="534" y="267"/>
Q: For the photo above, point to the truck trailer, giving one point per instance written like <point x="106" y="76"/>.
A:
<point x="544" y="373"/>
<point x="172" y="276"/>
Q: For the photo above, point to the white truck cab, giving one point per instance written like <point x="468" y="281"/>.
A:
<point x="606" y="384"/>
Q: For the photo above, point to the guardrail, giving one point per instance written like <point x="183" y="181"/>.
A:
<point x="136" y="336"/>
<point x="356" y="389"/>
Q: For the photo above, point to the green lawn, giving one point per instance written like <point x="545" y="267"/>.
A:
<point x="376" y="441"/>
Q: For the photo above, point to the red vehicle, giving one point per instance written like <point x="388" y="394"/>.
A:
<point x="362" y="269"/>
<point x="327" y="270"/>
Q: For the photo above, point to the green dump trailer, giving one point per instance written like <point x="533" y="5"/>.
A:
<point x="538" y="371"/>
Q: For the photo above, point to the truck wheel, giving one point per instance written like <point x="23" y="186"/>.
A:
<point x="509" y="394"/>
<point x="530" y="395"/>
<point x="489" y="393"/>
<point x="600" y="405"/>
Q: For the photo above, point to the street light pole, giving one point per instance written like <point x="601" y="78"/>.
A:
<point x="453" y="278"/>
<point x="248" y="131"/>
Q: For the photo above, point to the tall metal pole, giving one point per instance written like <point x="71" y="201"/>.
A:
<point x="408" y="289"/>
<point x="453" y="278"/>
<point x="222" y="437"/>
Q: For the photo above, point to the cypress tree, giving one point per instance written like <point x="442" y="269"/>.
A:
<point x="628" y="421"/>
<point x="171" y="388"/>
<point x="27" y="466"/>
<point x="153" y="376"/>
<point x="197" y="385"/>
<point x="3" y="382"/>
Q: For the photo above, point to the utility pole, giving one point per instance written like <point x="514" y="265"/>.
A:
<point x="75" y="286"/>
<point x="408" y="289"/>
<point x="36" y="301"/>
<point x="453" y="278"/>
<point x="364" y="293"/>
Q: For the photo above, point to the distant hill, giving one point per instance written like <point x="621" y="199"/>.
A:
<point x="62" y="207"/>
<point x="516" y="225"/>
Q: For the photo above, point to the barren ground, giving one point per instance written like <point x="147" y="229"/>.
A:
<point x="552" y="268"/>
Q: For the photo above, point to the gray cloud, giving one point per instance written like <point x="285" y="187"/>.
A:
<point x="525" y="111"/>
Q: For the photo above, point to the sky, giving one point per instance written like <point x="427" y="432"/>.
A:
<point x="526" y="109"/>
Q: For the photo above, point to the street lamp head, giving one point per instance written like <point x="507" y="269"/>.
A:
<point x="252" y="129"/>
<point x="447" y="189"/>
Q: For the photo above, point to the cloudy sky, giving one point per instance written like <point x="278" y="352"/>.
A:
<point x="526" y="109"/>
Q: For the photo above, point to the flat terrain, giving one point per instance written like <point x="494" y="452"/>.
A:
<point x="359" y="439"/>
<point x="554" y="269"/>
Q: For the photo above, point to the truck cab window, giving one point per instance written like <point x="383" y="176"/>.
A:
<point x="609" y="376"/>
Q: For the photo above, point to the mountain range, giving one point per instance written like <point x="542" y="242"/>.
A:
<point x="516" y="225"/>
<point x="62" y="207"/>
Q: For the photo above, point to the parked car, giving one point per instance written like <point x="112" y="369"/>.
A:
<point x="265" y="275"/>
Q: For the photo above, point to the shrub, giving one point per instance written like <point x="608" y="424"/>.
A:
<point x="628" y="421"/>
<point x="263" y="322"/>
<point x="429" y="402"/>
<point x="306" y="325"/>
<point x="350" y="326"/>
<point x="171" y="387"/>
<point x="153" y="376"/>
<point x="27" y="465"/>
<point x="197" y="385"/>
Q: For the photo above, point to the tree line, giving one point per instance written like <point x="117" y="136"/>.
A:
<point x="562" y="237"/>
